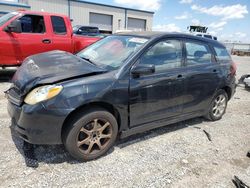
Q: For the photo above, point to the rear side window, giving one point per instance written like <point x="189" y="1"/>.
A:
<point x="197" y="53"/>
<point x="32" y="24"/>
<point x="222" y="54"/>
<point x="58" y="25"/>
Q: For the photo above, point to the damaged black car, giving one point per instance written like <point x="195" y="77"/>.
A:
<point x="124" y="84"/>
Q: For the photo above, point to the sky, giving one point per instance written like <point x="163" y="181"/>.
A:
<point x="226" y="19"/>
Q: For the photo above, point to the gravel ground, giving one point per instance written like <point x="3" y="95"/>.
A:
<point x="178" y="155"/>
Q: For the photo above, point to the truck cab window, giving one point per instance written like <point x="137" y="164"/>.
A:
<point x="32" y="24"/>
<point x="58" y="25"/>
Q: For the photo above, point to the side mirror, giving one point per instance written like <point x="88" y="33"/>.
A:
<point x="142" y="69"/>
<point x="14" y="27"/>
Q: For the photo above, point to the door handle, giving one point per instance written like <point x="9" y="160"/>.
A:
<point x="46" y="41"/>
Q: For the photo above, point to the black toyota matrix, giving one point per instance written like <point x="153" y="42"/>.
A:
<point x="121" y="85"/>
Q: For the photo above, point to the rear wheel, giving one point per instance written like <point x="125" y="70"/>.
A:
<point x="218" y="106"/>
<point x="90" y="134"/>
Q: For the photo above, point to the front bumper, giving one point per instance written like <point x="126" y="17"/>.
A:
<point x="36" y="124"/>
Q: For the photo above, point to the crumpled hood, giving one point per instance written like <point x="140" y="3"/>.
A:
<point x="51" y="67"/>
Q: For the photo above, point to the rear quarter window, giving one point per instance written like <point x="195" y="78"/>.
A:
<point x="59" y="26"/>
<point x="222" y="54"/>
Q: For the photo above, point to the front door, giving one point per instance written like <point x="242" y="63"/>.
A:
<point x="31" y="40"/>
<point x="158" y="96"/>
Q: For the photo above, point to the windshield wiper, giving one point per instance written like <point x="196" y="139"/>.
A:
<point x="87" y="59"/>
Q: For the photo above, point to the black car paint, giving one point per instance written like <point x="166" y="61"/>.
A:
<point x="139" y="104"/>
<point x="51" y="67"/>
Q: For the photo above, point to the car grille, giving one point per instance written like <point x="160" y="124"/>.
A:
<point x="14" y="96"/>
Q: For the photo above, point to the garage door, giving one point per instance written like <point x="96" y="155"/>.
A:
<point x="103" y="21"/>
<point x="136" y="24"/>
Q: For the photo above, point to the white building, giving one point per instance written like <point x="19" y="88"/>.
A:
<point x="108" y="18"/>
<point x="6" y="7"/>
<point x="244" y="47"/>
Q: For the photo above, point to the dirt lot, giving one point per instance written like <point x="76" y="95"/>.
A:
<point x="179" y="155"/>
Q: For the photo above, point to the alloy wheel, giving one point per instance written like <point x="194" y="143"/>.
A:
<point x="219" y="105"/>
<point x="94" y="136"/>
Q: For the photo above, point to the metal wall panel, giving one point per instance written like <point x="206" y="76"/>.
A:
<point x="54" y="6"/>
<point x="80" y="13"/>
<point x="6" y="8"/>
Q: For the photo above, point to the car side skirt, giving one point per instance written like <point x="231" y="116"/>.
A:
<point x="160" y="123"/>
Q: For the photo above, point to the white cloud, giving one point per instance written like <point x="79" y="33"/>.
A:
<point x="240" y="34"/>
<point x="214" y="33"/>
<point x="186" y="1"/>
<point x="226" y="12"/>
<point x="217" y="25"/>
<point x="141" y="4"/>
<point x="184" y="16"/>
<point x="168" y="28"/>
<point x="196" y="22"/>
<point x="219" y="29"/>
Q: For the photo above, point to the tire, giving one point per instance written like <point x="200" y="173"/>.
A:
<point x="247" y="87"/>
<point x="90" y="134"/>
<point x="217" y="107"/>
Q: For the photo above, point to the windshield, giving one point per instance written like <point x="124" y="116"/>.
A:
<point x="112" y="51"/>
<point x="7" y="17"/>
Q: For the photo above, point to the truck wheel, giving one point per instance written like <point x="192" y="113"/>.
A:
<point x="218" y="106"/>
<point x="90" y="134"/>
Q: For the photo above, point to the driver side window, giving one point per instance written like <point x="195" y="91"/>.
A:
<point x="32" y="24"/>
<point x="164" y="55"/>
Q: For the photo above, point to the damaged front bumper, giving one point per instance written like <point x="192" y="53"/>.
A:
<point x="37" y="124"/>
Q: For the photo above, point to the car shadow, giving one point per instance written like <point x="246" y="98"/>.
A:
<point x="159" y="131"/>
<point x="34" y="154"/>
<point x="56" y="154"/>
<point x="6" y="74"/>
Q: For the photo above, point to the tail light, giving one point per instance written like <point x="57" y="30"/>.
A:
<point x="233" y="69"/>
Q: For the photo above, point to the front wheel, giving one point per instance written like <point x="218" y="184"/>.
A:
<point x="90" y="134"/>
<point x="218" y="106"/>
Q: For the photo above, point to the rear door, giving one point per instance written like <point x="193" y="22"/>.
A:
<point x="61" y="34"/>
<point x="202" y="76"/>
<point x="158" y="96"/>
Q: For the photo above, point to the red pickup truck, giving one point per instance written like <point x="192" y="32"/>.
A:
<point x="24" y="33"/>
